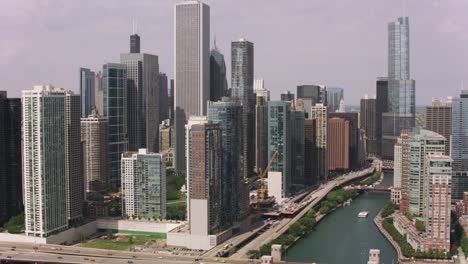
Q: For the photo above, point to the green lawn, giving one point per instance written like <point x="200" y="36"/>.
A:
<point x="113" y="244"/>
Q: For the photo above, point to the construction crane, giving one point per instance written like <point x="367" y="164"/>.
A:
<point x="262" y="188"/>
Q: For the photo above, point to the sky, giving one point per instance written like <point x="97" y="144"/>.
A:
<point x="332" y="42"/>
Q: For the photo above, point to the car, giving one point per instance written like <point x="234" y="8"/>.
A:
<point x="129" y="261"/>
<point x="59" y="257"/>
<point x="160" y="257"/>
<point x="86" y="258"/>
<point x="35" y="248"/>
<point x="109" y="254"/>
<point x="93" y="260"/>
<point x="134" y="256"/>
<point x="12" y="249"/>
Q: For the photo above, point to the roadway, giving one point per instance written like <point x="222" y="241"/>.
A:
<point x="310" y="201"/>
<point x="68" y="254"/>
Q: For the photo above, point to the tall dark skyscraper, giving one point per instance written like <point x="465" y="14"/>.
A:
<point x="87" y="91"/>
<point x="460" y="145"/>
<point x="134" y="43"/>
<point x="288" y="96"/>
<point x="334" y="97"/>
<point x="171" y="101"/>
<point x="142" y="100"/>
<point x="114" y="86"/>
<point x="218" y="81"/>
<point x="11" y="199"/>
<point x="228" y="115"/>
<point x="163" y="97"/>
<point x="242" y="62"/>
<point x="381" y="107"/>
<point x="368" y="120"/>
<point x="401" y="111"/>
<point x="191" y="69"/>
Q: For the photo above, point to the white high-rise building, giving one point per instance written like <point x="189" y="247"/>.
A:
<point x="320" y="114"/>
<point x="191" y="68"/>
<point x="397" y="164"/>
<point x="52" y="178"/>
<point x="143" y="185"/>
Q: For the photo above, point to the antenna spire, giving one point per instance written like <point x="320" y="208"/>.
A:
<point x="135" y="26"/>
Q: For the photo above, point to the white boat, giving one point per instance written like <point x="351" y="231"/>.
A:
<point x="363" y="214"/>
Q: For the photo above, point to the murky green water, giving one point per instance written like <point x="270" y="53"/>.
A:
<point x="342" y="237"/>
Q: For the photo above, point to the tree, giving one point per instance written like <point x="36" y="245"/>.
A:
<point x="420" y="226"/>
<point x="15" y="225"/>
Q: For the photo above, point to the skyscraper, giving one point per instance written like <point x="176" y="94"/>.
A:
<point x="319" y="114"/>
<point x="218" y="81"/>
<point x="338" y="144"/>
<point x="242" y="63"/>
<point x="73" y="158"/>
<point x="439" y="120"/>
<point x="312" y="95"/>
<point x="310" y="171"/>
<point x="87" y="91"/>
<point x="11" y="200"/>
<point x="401" y="89"/>
<point x="368" y="120"/>
<point x="114" y="86"/>
<point x="95" y="142"/>
<point x="334" y="96"/>
<point x="191" y="68"/>
<point x="296" y="126"/>
<point x="279" y="139"/>
<point x="205" y="167"/>
<point x="380" y="108"/>
<point x="143" y="95"/>
<point x="287" y="96"/>
<point x="460" y="145"/>
<point x="261" y="129"/>
<point x="437" y="201"/>
<point x="143" y="185"/>
<point x="98" y="94"/>
<point x="421" y="143"/>
<point x="354" y="136"/>
<point x="228" y="116"/>
<point x="134" y="43"/>
<point x="51" y="142"/>
<point x="163" y="97"/>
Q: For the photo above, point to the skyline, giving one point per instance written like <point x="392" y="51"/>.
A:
<point x="92" y="35"/>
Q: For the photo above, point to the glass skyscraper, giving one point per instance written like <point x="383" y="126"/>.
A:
<point x="460" y="145"/>
<point x="228" y="115"/>
<point x="334" y="97"/>
<point x="87" y="86"/>
<point x="114" y="86"/>
<point x="401" y="89"/>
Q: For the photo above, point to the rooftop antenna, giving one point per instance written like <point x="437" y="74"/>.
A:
<point x="135" y="26"/>
<point x="215" y="46"/>
<point x="403" y="6"/>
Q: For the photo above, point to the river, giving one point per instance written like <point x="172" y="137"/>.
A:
<point x="342" y="237"/>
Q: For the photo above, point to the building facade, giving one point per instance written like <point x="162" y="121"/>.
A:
<point x="261" y="130"/>
<point x="11" y="200"/>
<point x="401" y="89"/>
<point x="439" y="119"/>
<point x="143" y="185"/>
<point x="191" y="69"/>
<point x="206" y="167"/>
<point x="242" y="80"/>
<point x="319" y="113"/>
<point x="163" y="96"/>
<point x="218" y="79"/>
<point x="338" y="144"/>
<point x="335" y="95"/>
<point x="459" y="150"/>
<point x="95" y="141"/>
<point x="44" y="128"/>
<point x="437" y="201"/>
<point x="228" y="116"/>
<point x="114" y="86"/>
<point x="87" y="91"/>
<point x="381" y="107"/>
<point x="312" y="95"/>
<point x="368" y="121"/>
<point x="142" y="100"/>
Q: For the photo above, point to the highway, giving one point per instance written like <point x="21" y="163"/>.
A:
<point x="282" y="225"/>
<point x="68" y="254"/>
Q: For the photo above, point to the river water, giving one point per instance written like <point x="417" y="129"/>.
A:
<point x="342" y="237"/>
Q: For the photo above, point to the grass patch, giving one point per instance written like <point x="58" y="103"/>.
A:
<point x="118" y="243"/>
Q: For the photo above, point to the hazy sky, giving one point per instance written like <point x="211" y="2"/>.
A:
<point x="333" y="42"/>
